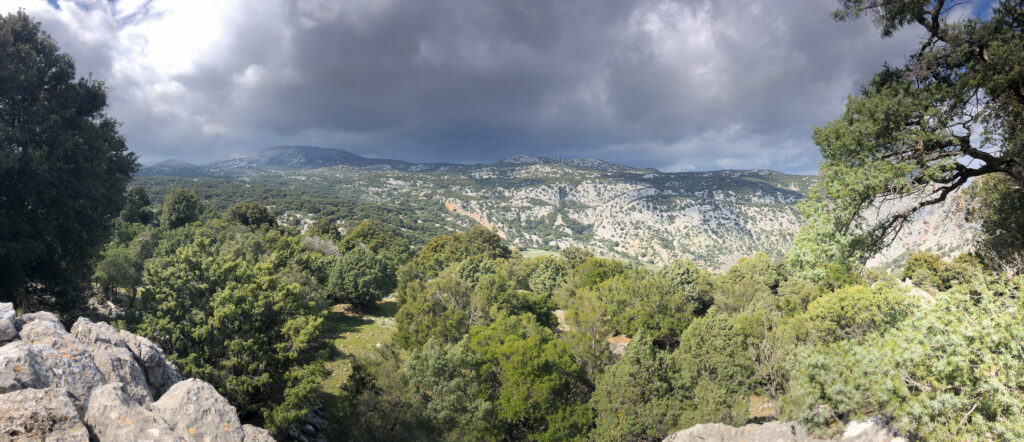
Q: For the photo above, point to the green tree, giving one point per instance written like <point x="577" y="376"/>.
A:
<point x="640" y="302"/>
<point x="639" y="397"/>
<point x="919" y="132"/>
<point x="928" y="270"/>
<point x="589" y="328"/>
<point x="696" y="283"/>
<point x="324" y="228"/>
<point x="539" y="391"/>
<point x="251" y="214"/>
<point x="547" y="273"/>
<point x="386" y="243"/>
<point x="754" y="278"/>
<point x="64" y="169"/>
<point x="181" y="206"/>
<point x="478" y="243"/>
<point x="119" y="268"/>
<point x="446" y="380"/>
<point x="854" y="312"/>
<point x="951" y="371"/>
<point x="361" y="279"/>
<point x="575" y="256"/>
<point x="439" y="308"/>
<point x="136" y="206"/>
<point x="998" y="205"/>
<point x="716" y="369"/>
<point x="234" y="324"/>
<point x="494" y="296"/>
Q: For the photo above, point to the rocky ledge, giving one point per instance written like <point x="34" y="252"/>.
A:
<point x="872" y="430"/>
<point x="101" y="384"/>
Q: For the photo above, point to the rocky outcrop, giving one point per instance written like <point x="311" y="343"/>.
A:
<point x="112" y="357"/>
<point x="160" y="374"/>
<point x="194" y="408"/>
<point x="97" y="383"/>
<point x="40" y="414"/>
<point x="872" y="430"/>
<point x="8" y="330"/>
<point x="114" y="415"/>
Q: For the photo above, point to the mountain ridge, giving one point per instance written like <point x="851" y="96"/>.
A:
<point x="315" y="157"/>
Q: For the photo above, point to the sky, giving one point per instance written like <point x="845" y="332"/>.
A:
<point x="675" y="85"/>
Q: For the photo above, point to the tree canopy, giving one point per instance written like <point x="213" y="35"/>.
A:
<point x="917" y="133"/>
<point x="64" y="167"/>
<point x="181" y="206"/>
<point x="251" y="214"/>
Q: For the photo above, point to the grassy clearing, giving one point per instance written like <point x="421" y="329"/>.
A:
<point x="354" y="335"/>
<point x="533" y="253"/>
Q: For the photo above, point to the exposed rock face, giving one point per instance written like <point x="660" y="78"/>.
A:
<point x="7" y="327"/>
<point x="198" y="410"/>
<point x="112" y="357"/>
<point x="46" y="414"/>
<point x="62" y="360"/>
<point x="60" y="386"/>
<point x="869" y="431"/>
<point x="114" y="415"/>
<point x="256" y="434"/>
<point x="160" y="374"/>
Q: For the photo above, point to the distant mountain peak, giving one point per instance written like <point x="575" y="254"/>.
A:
<point x="522" y="159"/>
<point x="173" y="163"/>
<point x="299" y="157"/>
<point x="586" y="163"/>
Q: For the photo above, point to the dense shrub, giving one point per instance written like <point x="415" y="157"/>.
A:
<point x="251" y="214"/>
<point x="218" y="303"/>
<point x="951" y="371"/>
<point x="854" y="312"/>
<point x="361" y="279"/>
<point x="640" y="397"/>
<point x="181" y="206"/>
<point x="715" y="368"/>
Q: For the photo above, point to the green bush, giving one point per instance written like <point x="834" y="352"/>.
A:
<point x="232" y="322"/>
<point x="640" y="302"/>
<point x="715" y="367"/>
<point x="928" y="270"/>
<point x="951" y="371"/>
<point x="181" y="206"/>
<point x="639" y="397"/>
<point x="361" y="279"/>
<point x="854" y="312"/>
<point x="251" y="214"/>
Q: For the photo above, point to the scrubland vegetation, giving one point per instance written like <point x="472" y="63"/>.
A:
<point x="470" y="346"/>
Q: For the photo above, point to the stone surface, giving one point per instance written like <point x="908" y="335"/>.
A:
<point x="19" y="369"/>
<point x="8" y="328"/>
<point x="160" y="374"/>
<point x="869" y="431"/>
<point x="40" y="414"/>
<point x="114" y="416"/>
<point x="256" y="434"/>
<point x="113" y="358"/>
<point x="194" y="407"/>
<point x="63" y="361"/>
<point x="96" y="383"/>
<point x="39" y="316"/>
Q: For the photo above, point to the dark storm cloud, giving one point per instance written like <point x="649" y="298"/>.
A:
<point x="675" y="85"/>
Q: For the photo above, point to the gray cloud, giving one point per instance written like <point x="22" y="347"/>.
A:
<point x="677" y="85"/>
